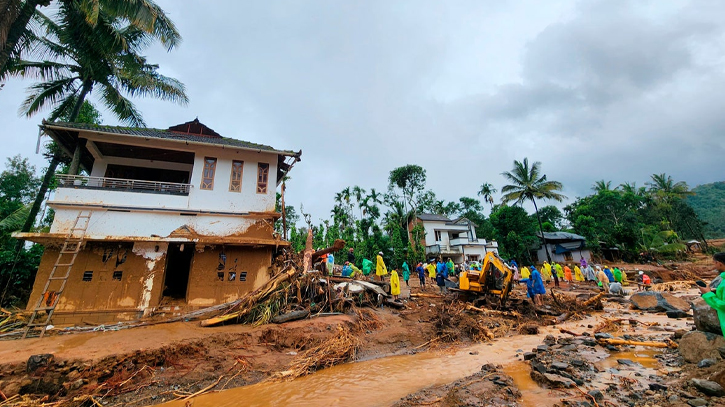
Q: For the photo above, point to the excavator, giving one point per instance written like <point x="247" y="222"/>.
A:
<point x="493" y="282"/>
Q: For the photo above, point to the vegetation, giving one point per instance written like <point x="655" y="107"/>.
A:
<point x="708" y="202"/>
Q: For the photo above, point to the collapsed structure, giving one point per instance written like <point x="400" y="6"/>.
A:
<point x="168" y="220"/>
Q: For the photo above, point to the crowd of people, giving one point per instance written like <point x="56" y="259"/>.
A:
<point x="436" y="272"/>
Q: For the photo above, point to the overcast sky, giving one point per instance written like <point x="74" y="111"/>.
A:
<point x="613" y="90"/>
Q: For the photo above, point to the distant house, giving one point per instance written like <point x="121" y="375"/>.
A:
<point x="173" y="220"/>
<point x="452" y="238"/>
<point x="563" y="247"/>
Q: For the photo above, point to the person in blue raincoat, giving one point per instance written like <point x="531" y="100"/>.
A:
<point x="537" y="286"/>
<point x="609" y="274"/>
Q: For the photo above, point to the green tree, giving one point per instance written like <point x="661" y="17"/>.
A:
<point x="551" y="218"/>
<point x="515" y="232"/>
<point x="411" y="180"/>
<point x="528" y="184"/>
<point x="602" y="185"/>
<point x="487" y="190"/>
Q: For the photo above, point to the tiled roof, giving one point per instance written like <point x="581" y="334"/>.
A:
<point x="163" y="134"/>
<point x="432" y="217"/>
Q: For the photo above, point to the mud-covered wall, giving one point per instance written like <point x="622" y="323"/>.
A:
<point x="106" y="276"/>
<point x="220" y="275"/>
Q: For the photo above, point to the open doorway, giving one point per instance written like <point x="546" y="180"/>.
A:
<point x="178" y="265"/>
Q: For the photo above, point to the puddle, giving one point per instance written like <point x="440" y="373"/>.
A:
<point x="532" y="395"/>
<point x="645" y="357"/>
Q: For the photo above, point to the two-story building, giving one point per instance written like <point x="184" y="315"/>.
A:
<point x="178" y="219"/>
<point x="563" y="247"/>
<point x="452" y="238"/>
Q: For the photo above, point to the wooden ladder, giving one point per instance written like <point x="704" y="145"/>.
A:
<point x="66" y="258"/>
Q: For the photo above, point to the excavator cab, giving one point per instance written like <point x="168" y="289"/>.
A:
<point x="494" y="280"/>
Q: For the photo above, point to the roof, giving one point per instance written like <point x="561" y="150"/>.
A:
<point x="433" y="217"/>
<point x="561" y="236"/>
<point x="183" y="132"/>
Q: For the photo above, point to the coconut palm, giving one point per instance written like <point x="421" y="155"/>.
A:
<point x="528" y="184"/>
<point x="664" y="187"/>
<point x="80" y="56"/>
<point x="487" y="190"/>
<point x="601" y="186"/>
<point x="17" y="37"/>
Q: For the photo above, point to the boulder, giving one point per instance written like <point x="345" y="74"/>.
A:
<point x="653" y="301"/>
<point x="706" y="363"/>
<point x="706" y="318"/>
<point x="708" y="387"/>
<point x="551" y="380"/>
<point x="697" y="402"/>
<point x="35" y="362"/>
<point x="697" y="345"/>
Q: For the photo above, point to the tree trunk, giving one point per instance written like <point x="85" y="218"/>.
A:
<point x="16" y="30"/>
<point x="541" y="230"/>
<point x="30" y="221"/>
<point x="75" y="165"/>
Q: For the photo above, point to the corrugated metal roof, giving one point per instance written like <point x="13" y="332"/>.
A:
<point x="162" y="134"/>
<point x="561" y="236"/>
<point x="432" y="217"/>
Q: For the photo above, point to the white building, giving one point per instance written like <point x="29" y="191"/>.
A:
<point x="563" y="247"/>
<point x="453" y="238"/>
<point x="181" y="217"/>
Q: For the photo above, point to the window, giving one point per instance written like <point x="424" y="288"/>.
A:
<point x="235" y="182"/>
<point x="220" y="276"/>
<point x="568" y="256"/>
<point x="207" y="177"/>
<point x="243" y="276"/>
<point x="118" y="275"/>
<point x="232" y="275"/>
<point x="87" y="275"/>
<point x="438" y="235"/>
<point x="262" y="176"/>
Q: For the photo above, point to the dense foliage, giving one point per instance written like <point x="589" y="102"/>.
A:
<point x="708" y="202"/>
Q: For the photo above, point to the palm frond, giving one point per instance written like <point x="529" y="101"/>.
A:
<point x="43" y="93"/>
<point x="15" y="220"/>
<point x="121" y="107"/>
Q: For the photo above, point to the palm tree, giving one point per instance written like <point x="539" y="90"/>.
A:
<point x="80" y="56"/>
<point x="664" y="187"/>
<point x="528" y="184"/>
<point x="15" y="15"/>
<point x="358" y="193"/>
<point x="601" y="186"/>
<point x="487" y="190"/>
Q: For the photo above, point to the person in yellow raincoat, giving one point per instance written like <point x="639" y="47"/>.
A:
<point x="525" y="272"/>
<point x="431" y="267"/>
<point x="546" y="272"/>
<point x="380" y="269"/>
<point x="624" y="278"/>
<point x="578" y="276"/>
<point x="394" y="284"/>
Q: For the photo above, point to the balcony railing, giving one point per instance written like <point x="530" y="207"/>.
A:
<point x="120" y="184"/>
<point x="441" y="249"/>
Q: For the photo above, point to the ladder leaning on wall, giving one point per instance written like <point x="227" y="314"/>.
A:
<point x="66" y="258"/>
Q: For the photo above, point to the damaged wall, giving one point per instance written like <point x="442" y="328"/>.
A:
<point x="220" y="275"/>
<point x="106" y="276"/>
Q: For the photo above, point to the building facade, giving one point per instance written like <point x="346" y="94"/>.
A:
<point x="455" y="239"/>
<point x="178" y="219"/>
<point x="564" y="247"/>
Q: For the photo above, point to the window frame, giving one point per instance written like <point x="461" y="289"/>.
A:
<point x="208" y="186"/>
<point x="232" y="187"/>
<point x="266" y="178"/>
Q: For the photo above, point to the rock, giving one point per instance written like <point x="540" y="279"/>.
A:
<point x="673" y="398"/>
<point x="529" y="355"/>
<point x="554" y="380"/>
<point x="549" y="340"/>
<point x="578" y="362"/>
<point x="706" y="363"/>
<point x="612" y="348"/>
<point x="589" y="342"/>
<point x="698" y="345"/>
<point x="653" y="301"/>
<point x="602" y="335"/>
<point x="568" y="348"/>
<point x="35" y="362"/>
<point x="626" y="362"/>
<point x="542" y="348"/>
<point x="560" y="365"/>
<point x="706" y="318"/>
<point x="708" y="387"/>
<point x="719" y="378"/>
<point x="598" y="396"/>
<point x="677" y="314"/>
<point x="721" y="350"/>
<point x="657" y="386"/>
<point x="76" y="384"/>
<point x="697" y="402"/>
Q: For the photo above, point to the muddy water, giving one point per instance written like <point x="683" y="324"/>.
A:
<point x="382" y="382"/>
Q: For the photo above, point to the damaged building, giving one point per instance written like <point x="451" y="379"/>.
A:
<point x="167" y="221"/>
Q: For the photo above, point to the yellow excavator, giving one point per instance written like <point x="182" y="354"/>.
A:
<point x="493" y="281"/>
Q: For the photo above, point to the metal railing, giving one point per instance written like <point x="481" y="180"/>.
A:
<point x="120" y="184"/>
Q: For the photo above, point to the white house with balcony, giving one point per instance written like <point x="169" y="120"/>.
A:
<point x="180" y="218"/>
<point x="453" y="238"/>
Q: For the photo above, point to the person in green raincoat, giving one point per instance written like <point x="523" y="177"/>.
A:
<point x="716" y="298"/>
<point x="617" y="274"/>
<point x="450" y="267"/>
<point x="394" y="284"/>
<point x="367" y="267"/>
<point x="406" y="273"/>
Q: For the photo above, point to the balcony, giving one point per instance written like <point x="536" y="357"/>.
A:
<point x="459" y="241"/>
<point x="436" y="249"/>
<point x="123" y="185"/>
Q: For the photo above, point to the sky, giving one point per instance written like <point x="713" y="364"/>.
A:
<point x="594" y="90"/>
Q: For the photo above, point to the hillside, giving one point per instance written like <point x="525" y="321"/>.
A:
<point x="709" y="203"/>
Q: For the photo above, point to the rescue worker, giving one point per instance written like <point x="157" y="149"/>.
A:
<point x="380" y="270"/>
<point x="394" y="284"/>
<point x="617" y="274"/>
<point x="406" y="273"/>
<point x="645" y="281"/>
<point x="603" y="279"/>
<point x="567" y="274"/>
<point x="346" y="270"/>
<point x="450" y="268"/>
<point x="578" y="276"/>
<point x="432" y="271"/>
<point x="545" y="272"/>
<point x="609" y="274"/>
<point x="330" y="263"/>
<point x="367" y="267"/>
<point x="716" y="297"/>
<point x="421" y="275"/>
<point x="525" y="273"/>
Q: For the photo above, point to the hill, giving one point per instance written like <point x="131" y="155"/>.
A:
<point x="709" y="204"/>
